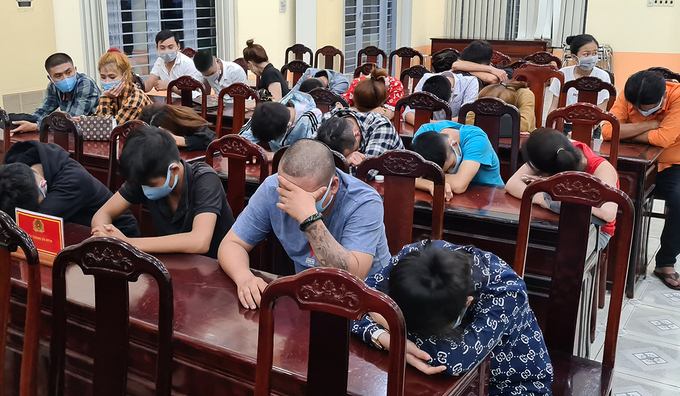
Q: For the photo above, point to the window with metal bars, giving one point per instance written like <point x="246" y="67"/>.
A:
<point x="368" y="22"/>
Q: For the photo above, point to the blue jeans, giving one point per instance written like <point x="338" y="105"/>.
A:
<point x="668" y="188"/>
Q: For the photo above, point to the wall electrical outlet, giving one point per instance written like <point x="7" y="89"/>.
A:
<point x="660" y="3"/>
<point x="282" y="6"/>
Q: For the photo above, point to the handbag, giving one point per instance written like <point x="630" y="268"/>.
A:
<point x="96" y="128"/>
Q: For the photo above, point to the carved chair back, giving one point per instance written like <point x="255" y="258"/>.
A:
<point x="517" y="64"/>
<point x="401" y="168"/>
<point x="6" y="136"/>
<point x="299" y="51"/>
<point x="113" y="264"/>
<point x="578" y="192"/>
<point x="329" y="53"/>
<point x="239" y="151"/>
<point x="488" y="113"/>
<point x="588" y="90"/>
<point x="239" y="92"/>
<point x="372" y="53"/>
<point x="667" y="73"/>
<point x="406" y="55"/>
<point x="585" y="117"/>
<point x="364" y="70"/>
<point x="62" y="126"/>
<point x="297" y="67"/>
<point x="137" y="80"/>
<point x="544" y="58"/>
<point x="242" y="62"/>
<point x="500" y="59"/>
<point x="187" y="85"/>
<point x="412" y="74"/>
<point x="326" y="99"/>
<point x="537" y="76"/>
<point x="11" y="238"/>
<point x="116" y="142"/>
<point x="339" y="159"/>
<point x="334" y="297"/>
<point x="190" y="52"/>
<point x="424" y="104"/>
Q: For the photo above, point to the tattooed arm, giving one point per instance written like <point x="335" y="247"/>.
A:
<point x="329" y="253"/>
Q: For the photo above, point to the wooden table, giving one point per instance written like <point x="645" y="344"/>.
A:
<point x="515" y="49"/>
<point x="215" y="341"/>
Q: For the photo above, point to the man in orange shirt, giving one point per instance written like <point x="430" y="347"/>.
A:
<point x="649" y="112"/>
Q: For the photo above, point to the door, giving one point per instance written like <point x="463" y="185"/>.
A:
<point x="368" y="22"/>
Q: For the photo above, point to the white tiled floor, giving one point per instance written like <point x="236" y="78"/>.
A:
<point x="648" y="350"/>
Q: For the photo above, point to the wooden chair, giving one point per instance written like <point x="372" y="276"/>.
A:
<point x="372" y="52"/>
<point x="116" y="142"/>
<point x="424" y="104"/>
<point x="326" y="99"/>
<point x="299" y="51"/>
<point x="667" y="73"/>
<point x="488" y="113"/>
<point x="445" y="50"/>
<point x="6" y="135"/>
<point x="190" y="52"/>
<point x="297" y="67"/>
<point x="544" y="58"/>
<point x="401" y="168"/>
<point x="516" y="65"/>
<point x="578" y="192"/>
<point x="537" y="76"/>
<point x="406" y="55"/>
<point x="240" y="93"/>
<point x="339" y="159"/>
<point x="364" y="70"/>
<point x="242" y="62"/>
<point x="113" y="264"/>
<point x="137" y="80"/>
<point x="11" y="238"/>
<point x="500" y="59"/>
<point x="334" y="297"/>
<point x="329" y="53"/>
<point x="238" y="151"/>
<point x="412" y="74"/>
<point x="187" y="85"/>
<point x="62" y="126"/>
<point x="588" y="89"/>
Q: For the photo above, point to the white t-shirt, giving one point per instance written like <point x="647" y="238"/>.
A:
<point x="231" y="73"/>
<point x="572" y="94"/>
<point x="184" y="66"/>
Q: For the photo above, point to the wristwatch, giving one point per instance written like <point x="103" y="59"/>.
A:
<point x="374" y="338"/>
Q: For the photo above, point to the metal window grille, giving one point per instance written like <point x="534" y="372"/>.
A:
<point x="368" y="22"/>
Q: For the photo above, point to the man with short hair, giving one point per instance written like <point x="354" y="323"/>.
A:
<point x="476" y="60"/>
<point x="336" y="82"/>
<point x="464" y="89"/>
<point x="69" y="91"/>
<point x="171" y="63"/>
<point x="218" y="73"/>
<point x="322" y="217"/>
<point x="649" y="112"/>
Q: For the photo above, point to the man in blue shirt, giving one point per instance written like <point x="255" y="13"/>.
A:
<point x="464" y="153"/>
<point x="69" y="91"/>
<point x="322" y="217"/>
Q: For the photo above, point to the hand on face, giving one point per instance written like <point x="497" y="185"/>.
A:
<point x="115" y="91"/>
<point x="298" y="203"/>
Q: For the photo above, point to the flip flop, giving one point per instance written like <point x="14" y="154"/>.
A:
<point x="664" y="276"/>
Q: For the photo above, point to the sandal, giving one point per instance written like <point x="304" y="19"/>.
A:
<point x="664" y="278"/>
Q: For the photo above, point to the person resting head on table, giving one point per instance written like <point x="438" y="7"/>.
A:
<point x="514" y="93"/>
<point x="312" y="78"/>
<point x="461" y="304"/>
<point x="187" y="202"/>
<point x="476" y="60"/>
<point x="455" y="89"/>
<point x="548" y="152"/>
<point x="190" y="131"/>
<point x="322" y="217"/>
<point x="439" y="86"/>
<point x="464" y="153"/>
<point x="395" y="91"/>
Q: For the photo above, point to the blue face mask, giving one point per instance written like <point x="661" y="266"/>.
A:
<point x="66" y="85"/>
<point x="459" y="158"/>
<point x="651" y="111"/>
<point x="110" y="85"/>
<point x="319" y="207"/>
<point x="156" y="193"/>
<point x="460" y="318"/>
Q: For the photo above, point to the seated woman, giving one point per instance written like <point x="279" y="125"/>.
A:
<point x="370" y="94"/>
<point x="190" y="131"/>
<point x="513" y="93"/>
<point x="270" y="78"/>
<point x="460" y="305"/>
<point x="464" y="153"/>
<point x="548" y="152"/>
<point x="121" y="98"/>
<point x="395" y="91"/>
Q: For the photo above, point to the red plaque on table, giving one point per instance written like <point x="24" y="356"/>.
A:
<point x="46" y="231"/>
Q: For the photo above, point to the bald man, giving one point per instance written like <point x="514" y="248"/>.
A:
<point x="322" y="217"/>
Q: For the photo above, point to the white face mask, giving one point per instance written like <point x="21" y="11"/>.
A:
<point x="652" y="110"/>
<point x="168" y="56"/>
<point x="587" y="63"/>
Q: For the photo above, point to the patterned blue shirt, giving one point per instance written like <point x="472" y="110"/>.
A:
<point x="83" y="100"/>
<point x="499" y="323"/>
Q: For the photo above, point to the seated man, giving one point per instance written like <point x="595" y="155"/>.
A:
<point x="476" y="60"/>
<point x="463" y="89"/>
<point x="336" y="82"/>
<point x="283" y="123"/>
<point x="649" y="112"/>
<point x="218" y="73"/>
<point x="460" y="305"/>
<point x="42" y="177"/>
<point x="322" y="216"/>
<point x="69" y="91"/>
<point x="358" y="136"/>
<point x="187" y="202"/>
<point x="464" y="153"/>
<point x="171" y="64"/>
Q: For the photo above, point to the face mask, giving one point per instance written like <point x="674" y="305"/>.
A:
<point x="587" y="63"/>
<point x="168" y="56"/>
<point x="110" y="85"/>
<point x="42" y="186"/>
<point x="320" y="208"/>
<point x="460" y="318"/>
<point x="66" y="85"/>
<point x="652" y="111"/>
<point x="156" y="193"/>
<point x="459" y="158"/>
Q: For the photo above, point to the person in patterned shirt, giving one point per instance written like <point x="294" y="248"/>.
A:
<point x="121" y="98"/>
<point x="460" y="305"/>
<point x="395" y="91"/>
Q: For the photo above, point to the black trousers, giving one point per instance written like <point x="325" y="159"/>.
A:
<point x="668" y="188"/>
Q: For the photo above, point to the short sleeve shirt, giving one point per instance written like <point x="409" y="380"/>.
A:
<point x="269" y="76"/>
<point x="475" y="146"/>
<point x="183" y="66"/>
<point x="203" y="193"/>
<point x="355" y="221"/>
<point x="465" y="90"/>
<point x="572" y="94"/>
<point x="231" y="73"/>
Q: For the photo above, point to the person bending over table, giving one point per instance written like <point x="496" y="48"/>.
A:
<point x="336" y="82"/>
<point x="190" y="131"/>
<point x="218" y="73"/>
<point x="271" y="78"/>
<point x="548" y="152"/>
<point x="322" y="217"/>
<point x="513" y="93"/>
<point x="476" y="60"/>
<point x="649" y="112"/>
<point x="171" y="64"/>
<point x="460" y="305"/>
<point x="453" y="88"/>
<point x="43" y="177"/>
<point x="187" y="203"/>
<point x="464" y="153"/>
<point x="395" y="91"/>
